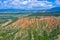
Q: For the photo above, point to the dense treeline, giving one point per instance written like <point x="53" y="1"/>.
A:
<point x="34" y="13"/>
<point x="46" y="14"/>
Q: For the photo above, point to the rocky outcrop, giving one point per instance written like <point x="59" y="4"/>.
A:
<point x="25" y="22"/>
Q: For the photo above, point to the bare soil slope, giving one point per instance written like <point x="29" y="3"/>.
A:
<point x="25" y="22"/>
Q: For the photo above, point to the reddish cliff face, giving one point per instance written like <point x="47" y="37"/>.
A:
<point x="25" y="22"/>
<point x="50" y="21"/>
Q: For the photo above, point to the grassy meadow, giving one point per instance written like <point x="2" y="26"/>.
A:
<point x="24" y="27"/>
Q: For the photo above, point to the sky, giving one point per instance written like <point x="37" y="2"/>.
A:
<point x="29" y="4"/>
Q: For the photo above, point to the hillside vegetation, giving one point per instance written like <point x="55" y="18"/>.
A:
<point x="31" y="28"/>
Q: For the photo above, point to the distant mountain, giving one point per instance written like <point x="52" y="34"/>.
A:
<point x="55" y="9"/>
<point x="9" y="10"/>
<point x="19" y="11"/>
<point x="14" y="11"/>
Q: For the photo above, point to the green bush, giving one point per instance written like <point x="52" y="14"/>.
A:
<point x="30" y="33"/>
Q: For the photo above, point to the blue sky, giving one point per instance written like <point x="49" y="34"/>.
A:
<point x="29" y="4"/>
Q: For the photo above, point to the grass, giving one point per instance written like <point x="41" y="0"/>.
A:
<point x="32" y="32"/>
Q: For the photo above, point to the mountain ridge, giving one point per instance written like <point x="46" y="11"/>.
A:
<point x="55" y="9"/>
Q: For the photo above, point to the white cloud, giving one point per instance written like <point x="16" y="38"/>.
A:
<point x="27" y="4"/>
<point x="41" y="4"/>
<point x="57" y="2"/>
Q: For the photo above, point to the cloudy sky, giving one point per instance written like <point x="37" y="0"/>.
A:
<point x="29" y="4"/>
